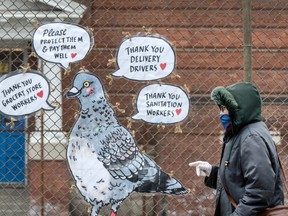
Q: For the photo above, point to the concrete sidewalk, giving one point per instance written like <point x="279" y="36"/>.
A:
<point x="13" y="202"/>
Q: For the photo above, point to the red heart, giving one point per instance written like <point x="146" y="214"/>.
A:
<point x="163" y="66"/>
<point x="73" y="55"/>
<point x="178" y="111"/>
<point x="40" y="94"/>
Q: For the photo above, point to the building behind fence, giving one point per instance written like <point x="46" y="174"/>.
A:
<point x="217" y="43"/>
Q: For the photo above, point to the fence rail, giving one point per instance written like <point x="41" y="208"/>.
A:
<point x="217" y="42"/>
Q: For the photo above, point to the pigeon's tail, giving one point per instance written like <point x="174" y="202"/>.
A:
<point x="155" y="180"/>
<point x="162" y="183"/>
<point x="170" y="185"/>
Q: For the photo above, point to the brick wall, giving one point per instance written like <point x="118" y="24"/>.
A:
<point x="48" y="184"/>
<point x="209" y="48"/>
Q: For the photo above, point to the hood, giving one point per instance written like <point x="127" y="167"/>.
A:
<point x="243" y="102"/>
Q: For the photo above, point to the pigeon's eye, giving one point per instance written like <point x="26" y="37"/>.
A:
<point x="86" y="84"/>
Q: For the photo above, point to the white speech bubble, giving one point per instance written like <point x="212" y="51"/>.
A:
<point x="145" y="58"/>
<point x="165" y="104"/>
<point x="62" y="43"/>
<point x="24" y="93"/>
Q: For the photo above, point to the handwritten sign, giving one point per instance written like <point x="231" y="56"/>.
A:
<point x="24" y="93"/>
<point x="62" y="43"/>
<point x="145" y="58"/>
<point x="165" y="104"/>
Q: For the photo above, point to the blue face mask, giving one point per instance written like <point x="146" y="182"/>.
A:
<point x="225" y="120"/>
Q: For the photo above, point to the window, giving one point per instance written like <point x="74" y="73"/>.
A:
<point x="11" y="59"/>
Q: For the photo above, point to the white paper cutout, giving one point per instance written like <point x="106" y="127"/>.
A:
<point x="159" y="103"/>
<point x="103" y="156"/>
<point x="62" y="43"/>
<point x="145" y="58"/>
<point x="24" y="93"/>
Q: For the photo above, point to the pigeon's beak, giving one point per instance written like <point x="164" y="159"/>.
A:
<point x="72" y="93"/>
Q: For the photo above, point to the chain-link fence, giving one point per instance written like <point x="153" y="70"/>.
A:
<point x="217" y="43"/>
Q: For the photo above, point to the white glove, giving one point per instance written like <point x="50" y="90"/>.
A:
<point x="203" y="168"/>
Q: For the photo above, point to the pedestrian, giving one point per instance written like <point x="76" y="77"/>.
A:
<point x="249" y="173"/>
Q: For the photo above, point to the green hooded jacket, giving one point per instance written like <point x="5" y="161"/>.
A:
<point x="249" y="167"/>
<point x="242" y="101"/>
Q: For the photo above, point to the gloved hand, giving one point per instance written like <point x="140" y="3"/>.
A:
<point x="203" y="168"/>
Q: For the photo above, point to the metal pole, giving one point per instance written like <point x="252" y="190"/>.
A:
<point x="42" y="157"/>
<point x="246" y="4"/>
<point x="42" y="166"/>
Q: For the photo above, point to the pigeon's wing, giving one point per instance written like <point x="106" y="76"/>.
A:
<point x="119" y="154"/>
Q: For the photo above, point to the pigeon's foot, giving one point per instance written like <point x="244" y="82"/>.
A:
<point x="113" y="213"/>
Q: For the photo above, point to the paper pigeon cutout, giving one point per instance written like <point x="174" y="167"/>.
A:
<point x="102" y="155"/>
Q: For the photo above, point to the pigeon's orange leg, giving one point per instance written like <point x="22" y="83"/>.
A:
<point x="113" y="213"/>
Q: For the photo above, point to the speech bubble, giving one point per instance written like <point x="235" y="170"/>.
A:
<point x="62" y="43"/>
<point x="159" y="103"/>
<point x="145" y="58"/>
<point x="24" y="93"/>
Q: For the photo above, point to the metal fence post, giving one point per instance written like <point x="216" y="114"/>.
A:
<point x="247" y="40"/>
